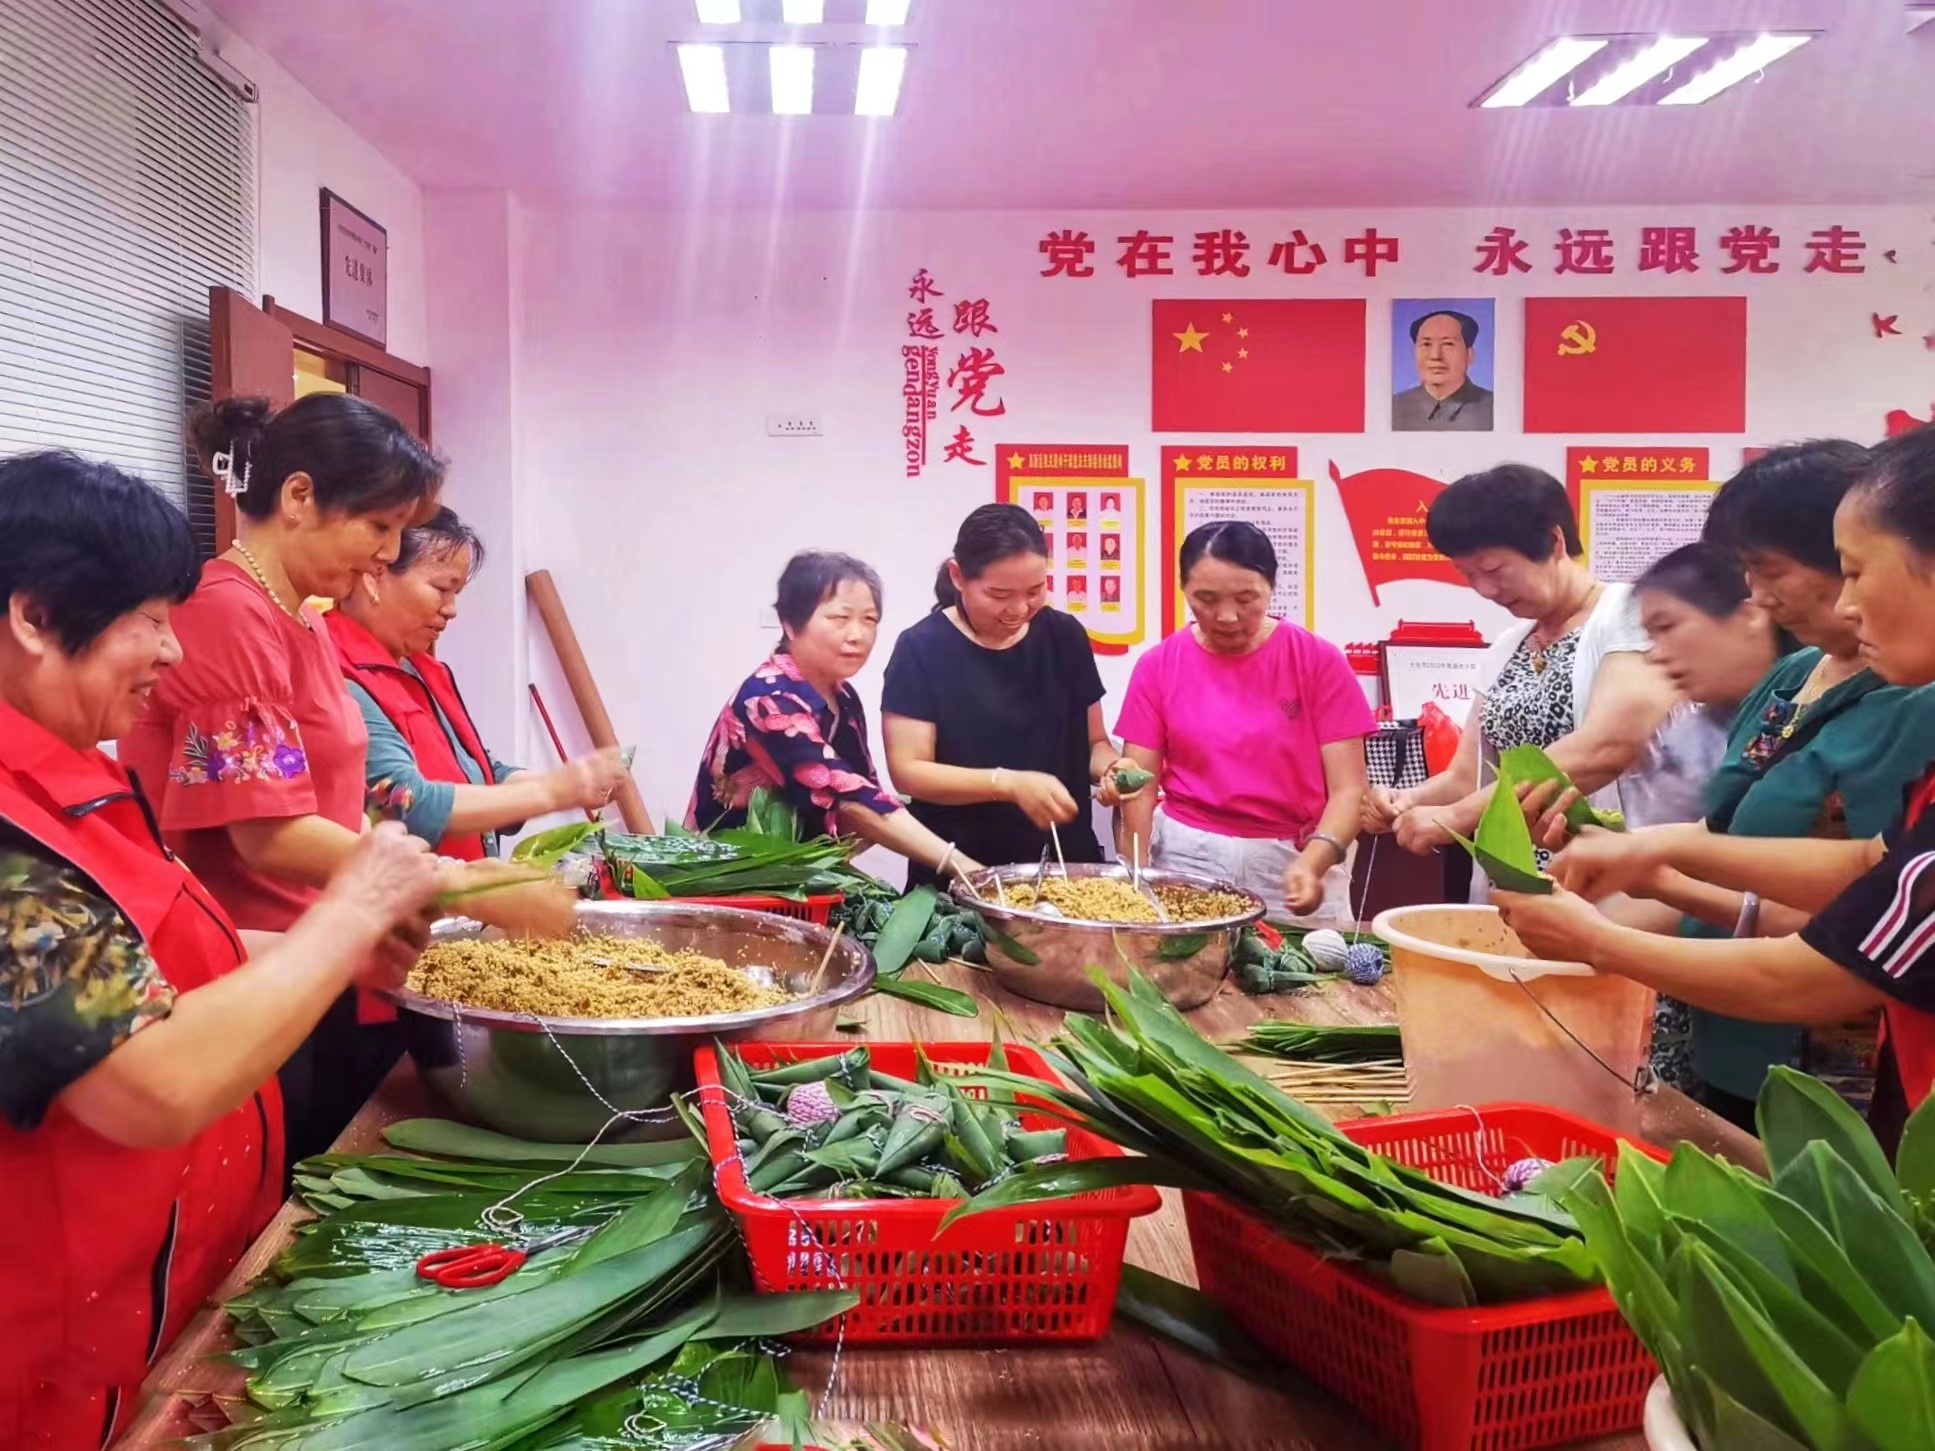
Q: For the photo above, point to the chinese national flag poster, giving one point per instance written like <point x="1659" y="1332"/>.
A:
<point x="1635" y="364"/>
<point x="1276" y="366"/>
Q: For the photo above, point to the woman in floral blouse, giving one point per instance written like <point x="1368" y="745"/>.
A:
<point x="796" y="725"/>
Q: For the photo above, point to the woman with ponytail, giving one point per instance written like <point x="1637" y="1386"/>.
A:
<point x="253" y="750"/>
<point x="993" y="705"/>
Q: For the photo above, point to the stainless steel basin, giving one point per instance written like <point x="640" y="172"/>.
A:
<point x="559" y="1079"/>
<point x="1048" y="958"/>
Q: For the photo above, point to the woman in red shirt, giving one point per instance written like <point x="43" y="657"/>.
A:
<point x="140" y="1131"/>
<point x="1871" y="903"/>
<point x="254" y="749"/>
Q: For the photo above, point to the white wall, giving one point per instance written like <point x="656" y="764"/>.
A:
<point x="650" y="349"/>
<point x="302" y="147"/>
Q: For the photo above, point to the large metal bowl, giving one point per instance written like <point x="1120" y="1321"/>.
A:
<point x="552" y="1078"/>
<point x="1047" y="958"/>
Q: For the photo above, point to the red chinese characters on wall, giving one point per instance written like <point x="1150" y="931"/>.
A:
<point x="972" y="378"/>
<point x="1502" y="251"/>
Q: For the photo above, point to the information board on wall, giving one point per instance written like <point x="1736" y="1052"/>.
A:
<point x="1259" y="486"/>
<point x="1091" y="513"/>
<point x="1448" y="676"/>
<point x="1637" y="504"/>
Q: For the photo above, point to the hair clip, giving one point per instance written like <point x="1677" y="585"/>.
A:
<point x="222" y="465"/>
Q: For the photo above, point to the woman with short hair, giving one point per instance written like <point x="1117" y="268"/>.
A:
<point x="1865" y="907"/>
<point x="1571" y="678"/>
<point x="140" y="1031"/>
<point x="426" y="764"/>
<point x="1254" y="728"/>
<point x="796" y="726"/>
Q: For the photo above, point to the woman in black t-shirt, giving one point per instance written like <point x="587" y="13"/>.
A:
<point x="993" y="705"/>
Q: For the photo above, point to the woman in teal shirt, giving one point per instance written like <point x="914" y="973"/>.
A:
<point x="1820" y="748"/>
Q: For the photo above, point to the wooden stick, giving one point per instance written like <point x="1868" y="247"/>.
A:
<point x="544" y="596"/>
<point x="557" y="742"/>
<point x="1057" y="837"/>
<point x="826" y="957"/>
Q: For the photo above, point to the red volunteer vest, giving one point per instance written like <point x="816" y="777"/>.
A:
<point x="113" y="1249"/>
<point x="411" y="704"/>
<point x="1911" y="1031"/>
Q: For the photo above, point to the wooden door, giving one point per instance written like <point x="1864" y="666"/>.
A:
<point x="408" y="402"/>
<point x="251" y="355"/>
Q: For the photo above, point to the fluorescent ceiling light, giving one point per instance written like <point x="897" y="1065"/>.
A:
<point x="1761" y="51"/>
<point x="1560" y="58"/>
<point x="887" y="12"/>
<point x="704" y="69"/>
<point x="802" y="12"/>
<point x="792" y="71"/>
<point x="1623" y="79"/>
<point x="881" y="67"/>
<point x="718" y="12"/>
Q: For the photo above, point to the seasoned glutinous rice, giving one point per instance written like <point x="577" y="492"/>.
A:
<point x="587" y="977"/>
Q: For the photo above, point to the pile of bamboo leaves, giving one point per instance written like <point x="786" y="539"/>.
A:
<point x="837" y="1128"/>
<point x="1788" y="1315"/>
<point x="1201" y="1120"/>
<point x="345" y="1346"/>
<point x="922" y="926"/>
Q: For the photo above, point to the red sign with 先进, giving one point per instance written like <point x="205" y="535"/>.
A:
<point x="1386" y="509"/>
<point x="1632" y="465"/>
<point x="1635" y="364"/>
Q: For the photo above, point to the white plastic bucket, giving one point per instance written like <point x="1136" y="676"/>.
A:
<point x="1484" y="1021"/>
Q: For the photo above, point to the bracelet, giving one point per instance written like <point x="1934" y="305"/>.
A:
<point x="1330" y="841"/>
<point x="946" y="857"/>
<point x="1748" y="924"/>
<point x="994" y="780"/>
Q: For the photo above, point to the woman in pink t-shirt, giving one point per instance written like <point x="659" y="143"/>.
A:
<point x="1255" y="729"/>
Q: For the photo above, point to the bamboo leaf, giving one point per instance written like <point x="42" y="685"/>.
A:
<point x="1193" y="1320"/>
<point x="1915" y="1159"/>
<point x="1892" y="1400"/>
<point x="445" y="1139"/>
<point x="1531" y="764"/>
<point x="904" y="930"/>
<point x="1795" y="1110"/>
<point x="1886" y="1251"/>
<point x="929" y="995"/>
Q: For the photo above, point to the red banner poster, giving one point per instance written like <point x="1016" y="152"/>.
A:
<point x="1386" y="509"/>
<point x="1635" y="364"/>
<point x="1591" y="463"/>
<point x="1274" y="366"/>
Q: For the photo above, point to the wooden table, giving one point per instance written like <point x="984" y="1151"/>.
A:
<point x="1127" y="1392"/>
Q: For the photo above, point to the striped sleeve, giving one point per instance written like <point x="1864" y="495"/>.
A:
<point x="1882" y="928"/>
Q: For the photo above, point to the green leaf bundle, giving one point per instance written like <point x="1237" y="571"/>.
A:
<point x="1200" y="1119"/>
<point x="1785" y="1314"/>
<point x="1319" y="1043"/>
<point x="1530" y="764"/>
<point x="1503" y="844"/>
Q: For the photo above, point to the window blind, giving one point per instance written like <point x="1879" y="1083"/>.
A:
<point x="127" y="190"/>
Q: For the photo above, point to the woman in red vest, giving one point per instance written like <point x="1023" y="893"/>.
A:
<point x="426" y="762"/>
<point x="1870" y="940"/>
<point x="254" y="750"/>
<point x="140" y="1031"/>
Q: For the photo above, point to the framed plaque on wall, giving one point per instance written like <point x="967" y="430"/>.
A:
<point x="356" y="273"/>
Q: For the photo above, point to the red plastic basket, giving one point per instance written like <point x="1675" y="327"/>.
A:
<point x="1502" y="1378"/>
<point x="1046" y="1272"/>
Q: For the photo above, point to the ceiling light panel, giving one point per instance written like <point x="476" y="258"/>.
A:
<point x="887" y="12"/>
<point x="703" y="68"/>
<point x="1594" y="71"/>
<point x="1629" y="75"/>
<point x="719" y="12"/>
<point x="802" y="12"/>
<point x="1544" y="70"/>
<point x="881" y="69"/>
<point x="791" y="68"/>
<point x="1747" y="60"/>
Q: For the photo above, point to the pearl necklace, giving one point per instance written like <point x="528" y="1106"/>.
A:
<point x="269" y="589"/>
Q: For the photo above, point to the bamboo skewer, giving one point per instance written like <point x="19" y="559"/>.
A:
<point x="826" y="957"/>
<point x="1056" y="837"/>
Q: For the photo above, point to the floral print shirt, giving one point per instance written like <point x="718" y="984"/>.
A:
<point x="76" y="980"/>
<point x="779" y="732"/>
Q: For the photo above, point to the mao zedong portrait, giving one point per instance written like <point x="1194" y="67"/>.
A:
<point x="1447" y="398"/>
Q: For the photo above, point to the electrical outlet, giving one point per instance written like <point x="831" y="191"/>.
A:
<point x="792" y="425"/>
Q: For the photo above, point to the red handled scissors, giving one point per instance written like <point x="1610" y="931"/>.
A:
<point x="475" y="1266"/>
